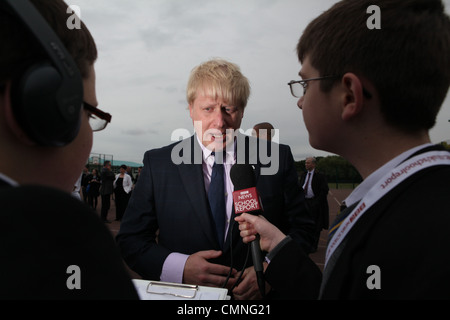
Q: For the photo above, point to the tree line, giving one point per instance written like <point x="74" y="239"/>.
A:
<point x="338" y="170"/>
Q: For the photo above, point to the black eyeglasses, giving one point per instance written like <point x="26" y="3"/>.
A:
<point x="298" y="88"/>
<point x="98" y="120"/>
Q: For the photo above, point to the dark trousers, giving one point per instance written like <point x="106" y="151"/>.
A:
<point x="93" y="200"/>
<point x="313" y="207"/>
<point x="121" y="204"/>
<point x="106" y="204"/>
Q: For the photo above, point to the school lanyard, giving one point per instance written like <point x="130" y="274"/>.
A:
<point x="382" y="187"/>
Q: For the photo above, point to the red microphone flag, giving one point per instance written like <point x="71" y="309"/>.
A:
<point x="246" y="200"/>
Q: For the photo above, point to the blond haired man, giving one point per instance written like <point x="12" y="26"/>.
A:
<point x="173" y="193"/>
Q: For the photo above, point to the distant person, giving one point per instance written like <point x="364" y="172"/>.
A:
<point x="122" y="189"/>
<point x="77" y="188"/>
<point x="138" y="175"/>
<point x="107" y="178"/>
<point x="189" y="204"/>
<point x="52" y="245"/>
<point x="133" y="181"/>
<point x="93" y="187"/>
<point x="129" y="172"/>
<point x="84" y="183"/>
<point x="263" y="130"/>
<point x="371" y="96"/>
<point x="315" y="188"/>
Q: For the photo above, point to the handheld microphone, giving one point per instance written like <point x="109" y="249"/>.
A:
<point x="246" y="199"/>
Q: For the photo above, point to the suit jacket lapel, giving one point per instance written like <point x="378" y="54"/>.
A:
<point x="249" y="146"/>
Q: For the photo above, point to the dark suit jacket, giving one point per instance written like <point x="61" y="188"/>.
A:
<point x="405" y="234"/>
<point x="319" y="205"/>
<point x="171" y="199"/>
<point x="44" y="231"/>
<point x="107" y="178"/>
<point x="293" y="275"/>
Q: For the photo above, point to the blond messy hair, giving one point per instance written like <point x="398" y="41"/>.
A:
<point x="219" y="79"/>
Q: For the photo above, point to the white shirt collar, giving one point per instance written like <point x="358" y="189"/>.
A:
<point x="370" y="181"/>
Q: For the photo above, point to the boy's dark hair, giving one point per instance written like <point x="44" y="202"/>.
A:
<point x="20" y="49"/>
<point x="407" y="60"/>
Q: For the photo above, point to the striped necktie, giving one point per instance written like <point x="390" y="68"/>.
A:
<point x="216" y="197"/>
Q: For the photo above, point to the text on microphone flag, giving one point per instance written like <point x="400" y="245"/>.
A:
<point x="246" y="200"/>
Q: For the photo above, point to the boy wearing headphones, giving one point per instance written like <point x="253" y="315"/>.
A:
<point x="52" y="245"/>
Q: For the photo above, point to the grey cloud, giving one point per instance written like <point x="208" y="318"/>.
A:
<point x="139" y="132"/>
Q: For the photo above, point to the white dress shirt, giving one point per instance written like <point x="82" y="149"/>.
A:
<point x="309" y="194"/>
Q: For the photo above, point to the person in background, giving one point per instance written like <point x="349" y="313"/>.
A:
<point x="137" y="175"/>
<point x="315" y="188"/>
<point x="107" y="178"/>
<point x="122" y="189"/>
<point x="93" y="188"/>
<point x="263" y="130"/>
<point x="129" y="172"/>
<point x="85" y="177"/>
<point x="77" y="188"/>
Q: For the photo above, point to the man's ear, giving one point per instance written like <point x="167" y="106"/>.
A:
<point x="352" y="98"/>
<point x="10" y="120"/>
<point x="190" y="107"/>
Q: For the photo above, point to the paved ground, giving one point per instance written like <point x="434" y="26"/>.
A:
<point x="335" y="197"/>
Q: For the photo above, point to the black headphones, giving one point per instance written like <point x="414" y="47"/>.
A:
<point x="47" y="98"/>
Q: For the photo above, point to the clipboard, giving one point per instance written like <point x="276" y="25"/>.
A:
<point x="158" y="290"/>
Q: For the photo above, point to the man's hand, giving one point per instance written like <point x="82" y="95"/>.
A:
<point x="248" y="288"/>
<point x="198" y="270"/>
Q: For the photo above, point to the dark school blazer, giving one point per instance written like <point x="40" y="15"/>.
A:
<point x="50" y="243"/>
<point x="405" y="235"/>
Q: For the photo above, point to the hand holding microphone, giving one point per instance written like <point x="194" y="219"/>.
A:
<point x="246" y="199"/>
<point x="250" y="225"/>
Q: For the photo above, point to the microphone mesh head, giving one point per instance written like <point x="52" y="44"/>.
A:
<point x="242" y="176"/>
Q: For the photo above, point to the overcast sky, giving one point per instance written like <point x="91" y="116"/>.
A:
<point x="147" y="49"/>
